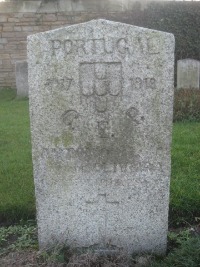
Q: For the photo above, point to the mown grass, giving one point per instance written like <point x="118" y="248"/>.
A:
<point x="185" y="180"/>
<point x="187" y="254"/>
<point x="16" y="179"/>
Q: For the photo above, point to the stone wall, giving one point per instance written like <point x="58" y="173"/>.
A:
<point x="19" y="19"/>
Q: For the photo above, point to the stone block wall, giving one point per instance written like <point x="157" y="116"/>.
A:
<point x="20" y="19"/>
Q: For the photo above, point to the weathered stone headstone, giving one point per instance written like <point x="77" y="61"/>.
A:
<point x="188" y="74"/>
<point x="21" y="74"/>
<point x="101" y="98"/>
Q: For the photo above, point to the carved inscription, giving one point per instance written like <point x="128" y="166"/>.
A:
<point x="99" y="159"/>
<point x="69" y="118"/>
<point x="55" y="84"/>
<point x="147" y="83"/>
<point x="90" y="46"/>
<point x="105" y="46"/>
<point x="100" y="81"/>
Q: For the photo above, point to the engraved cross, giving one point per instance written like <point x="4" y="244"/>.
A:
<point x="102" y="208"/>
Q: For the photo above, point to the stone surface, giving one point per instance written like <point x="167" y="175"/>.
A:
<point x="188" y="73"/>
<point x="101" y="98"/>
<point x="21" y="74"/>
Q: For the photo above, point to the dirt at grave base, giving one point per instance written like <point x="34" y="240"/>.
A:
<point x="31" y="258"/>
<point x="25" y="259"/>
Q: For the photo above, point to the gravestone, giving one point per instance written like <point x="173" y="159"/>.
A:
<point x="188" y="74"/>
<point x="101" y="101"/>
<point x="21" y="74"/>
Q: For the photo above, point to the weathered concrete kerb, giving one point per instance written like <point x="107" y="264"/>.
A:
<point x="101" y="102"/>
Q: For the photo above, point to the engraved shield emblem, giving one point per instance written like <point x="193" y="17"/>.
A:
<point x="101" y="79"/>
<point x="115" y="78"/>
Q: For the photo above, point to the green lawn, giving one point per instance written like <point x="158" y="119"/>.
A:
<point x="185" y="181"/>
<point x="16" y="179"/>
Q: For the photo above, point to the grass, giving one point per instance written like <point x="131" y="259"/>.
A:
<point x="186" y="254"/>
<point x="16" y="179"/>
<point x="185" y="181"/>
<point x="18" y="237"/>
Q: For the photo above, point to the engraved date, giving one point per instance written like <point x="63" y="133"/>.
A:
<point x="55" y="84"/>
<point x="146" y="83"/>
